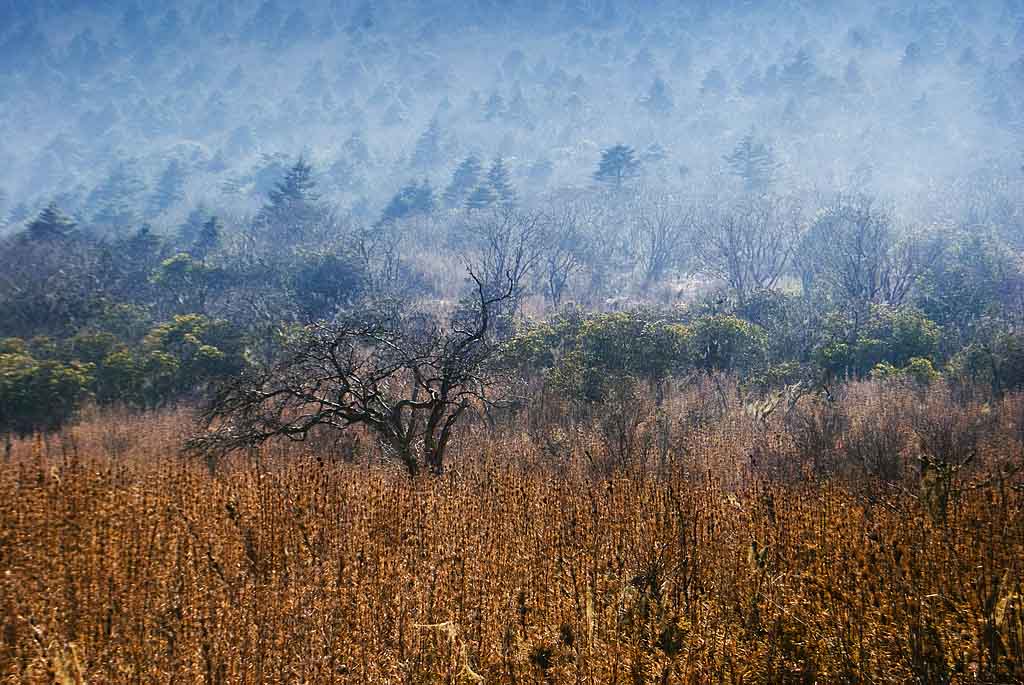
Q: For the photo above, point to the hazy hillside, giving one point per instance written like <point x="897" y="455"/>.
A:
<point x="904" y="100"/>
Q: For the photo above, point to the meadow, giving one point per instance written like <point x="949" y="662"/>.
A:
<point x="878" y="537"/>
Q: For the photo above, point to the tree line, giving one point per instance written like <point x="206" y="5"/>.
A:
<point x="437" y="312"/>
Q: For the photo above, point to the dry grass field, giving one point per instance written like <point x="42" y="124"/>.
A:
<point x="689" y="543"/>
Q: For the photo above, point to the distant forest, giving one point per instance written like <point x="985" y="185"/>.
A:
<point x="126" y="112"/>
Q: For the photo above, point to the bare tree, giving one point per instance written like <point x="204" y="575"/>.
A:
<point x="750" y="247"/>
<point x="662" y="226"/>
<point x="506" y="244"/>
<point x="564" y="249"/>
<point x="407" y="378"/>
<point x="854" y="249"/>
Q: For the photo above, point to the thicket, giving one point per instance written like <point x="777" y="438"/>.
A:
<point x="605" y="288"/>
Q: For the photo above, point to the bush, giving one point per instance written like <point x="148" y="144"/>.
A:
<point x="588" y="356"/>
<point x="918" y="371"/>
<point x="723" y="342"/>
<point x="39" y="394"/>
<point x="188" y="352"/>
<point x="891" y="337"/>
<point x="995" y="360"/>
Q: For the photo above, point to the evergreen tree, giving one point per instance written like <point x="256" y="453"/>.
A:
<point x="170" y="188"/>
<point x="482" y="197"/>
<point x="500" y="181"/>
<point x="464" y="179"/>
<point x="189" y="232"/>
<point x="618" y="164"/>
<point x="659" y="98"/>
<point x="141" y="250"/>
<point x="425" y="203"/>
<point x="411" y="200"/>
<point x="292" y="204"/>
<point x="51" y="224"/>
<point x="800" y="71"/>
<point x="355" y="148"/>
<point x="297" y="186"/>
<point x="208" y="239"/>
<point x="753" y="162"/>
<point x="135" y="259"/>
<point x="518" y="110"/>
<point x="494" y="108"/>
<point x="428" y="147"/>
<point x="115" y="201"/>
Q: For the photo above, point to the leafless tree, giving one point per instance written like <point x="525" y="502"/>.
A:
<point x="750" y="246"/>
<point x="854" y="249"/>
<point x="662" y="226"/>
<point x="564" y="248"/>
<point x="406" y="377"/>
<point x="379" y="250"/>
<point x="505" y="246"/>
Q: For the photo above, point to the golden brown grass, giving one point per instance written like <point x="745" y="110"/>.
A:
<point x="712" y="552"/>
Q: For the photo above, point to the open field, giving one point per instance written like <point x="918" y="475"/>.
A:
<point x="121" y="562"/>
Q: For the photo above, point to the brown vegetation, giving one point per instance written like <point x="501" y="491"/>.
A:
<point x="876" y="538"/>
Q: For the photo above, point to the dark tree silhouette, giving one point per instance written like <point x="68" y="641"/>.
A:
<point x="618" y="164"/>
<point x="409" y="379"/>
<point x="51" y="224"/>
<point x="753" y="162"/>
<point x="464" y="179"/>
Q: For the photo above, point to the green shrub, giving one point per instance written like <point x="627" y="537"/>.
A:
<point x="723" y="342"/>
<point x="39" y="394"/>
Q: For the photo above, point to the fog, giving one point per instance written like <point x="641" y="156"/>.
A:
<point x="919" y="104"/>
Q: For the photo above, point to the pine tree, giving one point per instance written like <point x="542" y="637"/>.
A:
<point x="292" y="204"/>
<point x="297" y="186"/>
<point x="189" y="232"/>
<point x="659" y="98"/>
<point x="800" y="71"/>
<point x="494" y="108"/>
<point x="141" y="249"/>
<point x="355" y="148"/>
<point x="464" y="179"/>
<point x="51" y="224"/>
<point x="500" y="181"/>
<point x="411" y="200"/>
<point x="170" y="189"/>
<point x="428" y="147"/>
<point x="618" y="164"/>
<point x="115" y="201"/>
<point x="481" y="198"/>
<point x="753" y="162"/>
<point x="208" y="239"/>
<point x="424" y="201"/>
<point x="518" y="109"/>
